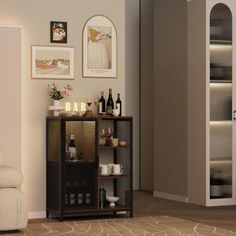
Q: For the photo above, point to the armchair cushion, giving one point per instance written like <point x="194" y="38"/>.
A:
<point x="10" y="177"/>
<point x="13" y="209"/>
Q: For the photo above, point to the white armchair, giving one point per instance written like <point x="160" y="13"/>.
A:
<point x="13" y="206"/>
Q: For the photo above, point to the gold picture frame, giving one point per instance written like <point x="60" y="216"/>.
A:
<point x="52" y="62"/>
<point x="99" y="48"/>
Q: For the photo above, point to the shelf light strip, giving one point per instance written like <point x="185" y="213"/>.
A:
<point x="215" y="84"/>
<point x="221" y="122"/>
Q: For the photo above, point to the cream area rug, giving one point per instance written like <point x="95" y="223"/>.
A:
<point x="142" y="226"/>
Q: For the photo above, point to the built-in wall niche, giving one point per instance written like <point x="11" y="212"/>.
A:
<point x="221" y="140"/>
<point x="221" y="94"/>
<point x="221" y="173"/>
<point x="221" y="62"/>
<point x="220" y="101"/>
<point x="211" y="100"/>
<point x="221" y="23"/>
<point x="221" y="157"/>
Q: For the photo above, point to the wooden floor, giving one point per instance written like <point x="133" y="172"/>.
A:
<point x="146" y="205"/>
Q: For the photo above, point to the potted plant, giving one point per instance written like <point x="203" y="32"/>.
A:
<point x="57" y="95"/>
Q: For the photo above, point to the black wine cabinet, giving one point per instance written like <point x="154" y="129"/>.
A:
<point x="74" y="184"/>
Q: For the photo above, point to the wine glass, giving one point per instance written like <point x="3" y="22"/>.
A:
<point x="109" y="136"/>
<point x="96" y="104"/>
<point x="89" y="104"/>
<point x="102" y="137"/>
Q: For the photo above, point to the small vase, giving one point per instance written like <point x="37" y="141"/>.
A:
<point x="56" y="103"/>
<point x="56" y="108"/>
<point x="56" y="113"/>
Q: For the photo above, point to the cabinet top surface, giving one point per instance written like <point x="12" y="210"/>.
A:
<point x="89" y="118"/>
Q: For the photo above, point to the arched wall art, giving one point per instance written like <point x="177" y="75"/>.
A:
<point x="99" y="48"/>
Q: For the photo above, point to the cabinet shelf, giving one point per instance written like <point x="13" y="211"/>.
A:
<point x="116" y="208"/>
<point x="114" y="177"/>
<point x="79" y="162"/>
<point x="220" y="122"/>
<point x="222" y="159"/>
<point x="220" y="81"/>
<point x="118" y="118"/>
<point x="75" y="211"/>
<point x="118" y="147"/>
<point x="221" y="41"/>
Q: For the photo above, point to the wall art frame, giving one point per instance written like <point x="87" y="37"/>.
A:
<point x="52" y="62"/>
<point x="58" y="32"/>
<point x="99" y="48"/>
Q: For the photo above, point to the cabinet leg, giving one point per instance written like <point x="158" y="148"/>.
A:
<point x="131" y="214"/>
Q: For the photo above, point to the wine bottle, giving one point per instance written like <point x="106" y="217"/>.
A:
<point x="102" y="104"/>
<point x="72" y="147"/>
<point x="118" y="104"/>
<point x="110" y="103"/>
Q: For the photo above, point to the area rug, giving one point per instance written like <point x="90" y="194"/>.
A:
<point x="142" y="226"/>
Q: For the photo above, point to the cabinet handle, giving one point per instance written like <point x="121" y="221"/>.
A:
<point x="234" y="114"/>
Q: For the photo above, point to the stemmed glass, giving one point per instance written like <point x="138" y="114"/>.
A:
<point x="109" y="137"/>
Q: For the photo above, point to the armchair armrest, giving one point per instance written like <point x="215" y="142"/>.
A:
<point x="10" y="177"/>
<point x="1" y="158"/>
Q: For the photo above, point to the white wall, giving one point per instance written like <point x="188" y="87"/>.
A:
<point x="35" y="17"/>
<point x="10" y="95"/>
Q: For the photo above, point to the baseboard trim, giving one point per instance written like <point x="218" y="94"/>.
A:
<point x="37" y="215"/>
<point x="169" y="196"/>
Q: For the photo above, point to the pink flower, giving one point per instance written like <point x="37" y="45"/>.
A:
<point x="56" y="94"/>
<point x="69" y="87"/>
<point x="64" y="92"/>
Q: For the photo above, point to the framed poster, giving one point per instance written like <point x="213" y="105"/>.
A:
<point x="52" y="62"/>
<point x="58" y="32"/>
<point x="99" y="48"/>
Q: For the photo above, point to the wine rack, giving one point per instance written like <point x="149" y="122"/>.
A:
<point x="74" y="184"/>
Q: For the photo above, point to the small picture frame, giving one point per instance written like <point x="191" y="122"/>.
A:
<point x="52" y="62"/>
<point x="58" y="32"/>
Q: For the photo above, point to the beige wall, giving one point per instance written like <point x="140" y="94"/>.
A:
<point x="35" y="17"/>
<point x="132" y="75"/>
<point x="170" y="97"/>
<point x="10" y="95"/>
<point x="197" y="142"/>
<point x="146" y="84"/>
<point x="139" y="93"/>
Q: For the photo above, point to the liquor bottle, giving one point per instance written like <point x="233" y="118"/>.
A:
<point x="102" y="196"/>
<point x="110" y="103"/>
<point x="118" y="104"/>
<point x="87" y="198"/>
<point x="102" y="104"/>
<point x="80" y="198"/>
<point x="72" y="147"/>
<point x="72" y="199"/>
<point x="66" y="199"/>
